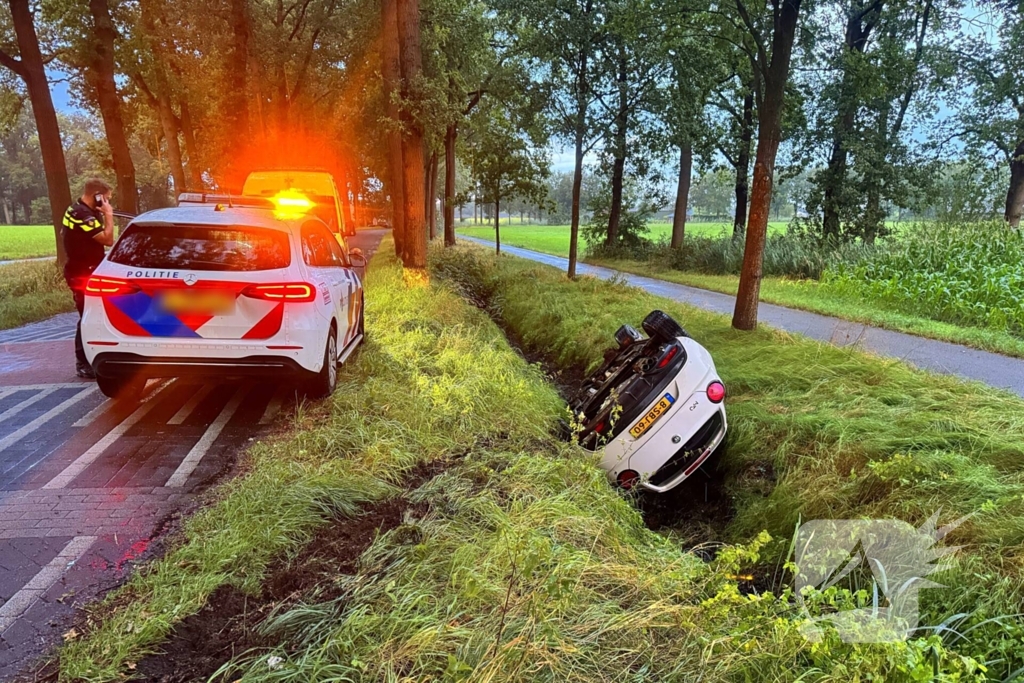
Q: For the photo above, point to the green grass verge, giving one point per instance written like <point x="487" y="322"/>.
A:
<point x="809" y="295"/>
<point x="26" y="241"/>
<point x="554" y="239"/>
<point x="817" y="432"/>
<point x="32" y="291"/>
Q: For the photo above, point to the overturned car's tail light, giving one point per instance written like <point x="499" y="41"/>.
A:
<point x="628" y="479"/>
<point x="667" y="357"/>
<point x="296" y="292"/>
<point x="716" y="392"/>
<point x="109" y="286"/>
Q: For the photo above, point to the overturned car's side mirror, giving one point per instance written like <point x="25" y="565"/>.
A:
<point x="356" y="256"/>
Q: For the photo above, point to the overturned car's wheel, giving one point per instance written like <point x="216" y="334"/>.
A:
<point x="660" y="325"/>
<point x="626" y="335"/>
<point x="121" y="388"/>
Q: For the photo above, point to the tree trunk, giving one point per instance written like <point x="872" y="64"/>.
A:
<point x="682" y="194"/>
<point x="739" y="221"/>
<point x="235" y="107"/>
<point x="574" y="221"/>
<point x="1015" y="193"/>
<point x="859" y="26"/>
<point x="450" y="136"/>
<point x="170" y="127"/>
<point x="391" y="72"/>
<point x="497" y="226"/>
<point x="619" y="147"/>
<point x="432" y="196"/>
<point x="188" y="132"/>
<point x="32" y="71"/>
<point x="100" y="76"/>
<point x="411" y="59"/>
<point x="775" y="76"/>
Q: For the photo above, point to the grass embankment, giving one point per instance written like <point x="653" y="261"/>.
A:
<point x="521" y="563"/>
<point x="32" y="291"/>
<point x="818" y="432"/>
<point x="26" y="241"/>
<point x="554" y="239"/>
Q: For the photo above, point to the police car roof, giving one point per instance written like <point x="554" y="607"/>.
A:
<point x="220" y="214"/>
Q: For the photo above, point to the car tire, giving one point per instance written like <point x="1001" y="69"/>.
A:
<point x="323" y="383"/>
<point x="121" y="388"/>
<point x="660" y="325"/>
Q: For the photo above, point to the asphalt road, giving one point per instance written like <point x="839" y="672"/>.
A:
<point x="89" y="485"/>
<point x="993" y="369"/>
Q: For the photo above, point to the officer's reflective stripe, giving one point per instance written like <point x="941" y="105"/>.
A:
<point x="71" y="222"/>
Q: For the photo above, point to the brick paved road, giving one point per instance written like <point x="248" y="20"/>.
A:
<point x="87" y="484"/>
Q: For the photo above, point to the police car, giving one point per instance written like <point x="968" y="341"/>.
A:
<point x="655" y="409"/>
<point x="223" y="286"/>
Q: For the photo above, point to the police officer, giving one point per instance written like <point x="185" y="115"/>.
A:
<point x="88" y="227"/>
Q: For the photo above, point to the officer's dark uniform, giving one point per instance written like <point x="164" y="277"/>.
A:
<point x="78" y="233"/>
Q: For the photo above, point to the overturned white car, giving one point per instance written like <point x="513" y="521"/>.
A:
<point x="656" y="407"/>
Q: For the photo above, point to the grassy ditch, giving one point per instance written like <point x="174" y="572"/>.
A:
<point x="818" y="432"/>
<point x="31" y="291"/>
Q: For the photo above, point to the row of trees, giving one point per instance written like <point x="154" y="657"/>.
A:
<point x="401" y="97"/>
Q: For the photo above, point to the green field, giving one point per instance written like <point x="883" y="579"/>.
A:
<point x="26" y="241"/>
<point x="554" y="239"/>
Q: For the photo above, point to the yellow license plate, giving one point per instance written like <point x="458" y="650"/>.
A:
<point x="202" y="303"/>
<point x="659" y="409"/>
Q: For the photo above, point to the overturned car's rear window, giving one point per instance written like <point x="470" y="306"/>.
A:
<point x="200" y="247"/>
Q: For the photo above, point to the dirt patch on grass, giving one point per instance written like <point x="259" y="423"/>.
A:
<point x="229" y="623"/>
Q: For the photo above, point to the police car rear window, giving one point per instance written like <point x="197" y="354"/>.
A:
<point x="199" y="247"/>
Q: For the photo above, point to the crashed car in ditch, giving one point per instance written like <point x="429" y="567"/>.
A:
<point x="655" y="409"/>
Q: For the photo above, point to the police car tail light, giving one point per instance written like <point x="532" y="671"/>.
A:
<point x="716" y="392"/>
<point x="109" y="286"/>
<point x="295" y="292"/>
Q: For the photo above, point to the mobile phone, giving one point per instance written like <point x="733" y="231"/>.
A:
<point x="98" y="199"/>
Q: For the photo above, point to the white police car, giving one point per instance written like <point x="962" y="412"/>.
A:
<point x="656" y="408"/>
<point x="223" y="287"/>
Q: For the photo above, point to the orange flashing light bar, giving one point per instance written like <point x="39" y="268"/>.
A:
<point x="291" y="204"/>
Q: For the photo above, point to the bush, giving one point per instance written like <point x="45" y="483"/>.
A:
<point x="964" y="273"/>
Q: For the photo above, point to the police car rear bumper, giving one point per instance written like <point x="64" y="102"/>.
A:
<point x="119" y="364"/>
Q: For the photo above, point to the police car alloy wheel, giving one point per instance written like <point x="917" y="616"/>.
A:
<point x="325" y="381"/>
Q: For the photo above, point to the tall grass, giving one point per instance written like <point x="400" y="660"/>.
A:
<point x="31" y="291"/>
<point x="818" y="432"/>
<point x="965" y="273"/>
<point x="785" y="254"/>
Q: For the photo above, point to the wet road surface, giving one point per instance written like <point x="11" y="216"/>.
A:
<point x="88" y="485"/>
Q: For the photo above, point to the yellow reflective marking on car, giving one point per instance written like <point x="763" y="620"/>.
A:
<point x="659" y="409"/>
